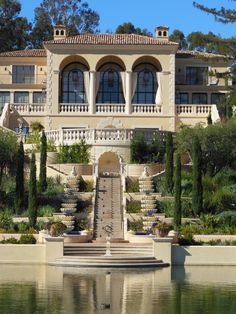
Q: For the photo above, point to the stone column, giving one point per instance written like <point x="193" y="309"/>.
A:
<point x="55" y="92"/>
<point x="128" y="87"/>
<point x="92" y="93"/>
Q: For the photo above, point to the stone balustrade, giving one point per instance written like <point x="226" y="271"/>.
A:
<point x="147" y="109"/>
<point x="26" y="108"/>
<point x="110" y="108"/>
<point x="73" y="108"/>
<point x="193" y="110"/>
<point x="91" y="136"/>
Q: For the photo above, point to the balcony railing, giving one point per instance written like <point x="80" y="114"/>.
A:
<point x="156" y="109"/>
<point x="100" y="136"/>
<point x="91" y="136"/>
<point x="110" y="108"/>
<point x="72" y="108"/>
<point x="193" y="110"/>
<point x="26" y="108"/>
<point x="39" y="79"/>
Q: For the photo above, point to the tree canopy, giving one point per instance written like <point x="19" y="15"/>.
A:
<point x="14" y="29"/>
<point x="222" y="15"/>
<point x="76" y="15"/>
<point x="129" y="28"/>
<point x="179" y="37"/>
<point x="8" y="149"/>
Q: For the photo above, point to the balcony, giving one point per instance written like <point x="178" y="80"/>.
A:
<point x="39" y="79"/>
<point x="193" y="110"/>
<point x="29" y="109"/>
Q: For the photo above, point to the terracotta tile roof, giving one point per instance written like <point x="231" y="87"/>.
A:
<point x="25" y="53"/>
<point x="198" y="54"/>
<point x="110" y="39"/>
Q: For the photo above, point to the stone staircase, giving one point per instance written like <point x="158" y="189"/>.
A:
<point x="109" y="261"/>
<point x="117" y="249"/>
<point x="108" y="209"/>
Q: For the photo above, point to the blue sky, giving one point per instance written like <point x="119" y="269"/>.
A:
<point x="150" y="13"/>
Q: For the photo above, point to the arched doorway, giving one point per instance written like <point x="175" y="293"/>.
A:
<point x="109" y="164"/>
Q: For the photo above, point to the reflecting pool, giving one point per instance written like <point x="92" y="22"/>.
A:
<point x="180" y="290"/>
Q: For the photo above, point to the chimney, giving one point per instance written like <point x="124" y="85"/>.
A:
<point x="162" y="33"/>
<point x="59" y="32"/>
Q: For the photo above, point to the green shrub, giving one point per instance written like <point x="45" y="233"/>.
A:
<point x="6" y="221"/>
<point x="136" y="225"/>
<point x="57" y="229"/>
<point x="223" y="200"/>
<point x="27" y="239"/>
<point x="133" y="207"/>
<point x="76" y="153"/>
<point x="227" y="218"/>
<point x="10" y="241"/>
<point x="46" y="211"/>
<point x="34" y="138"/>
<point x="132" y="185"/>
<point x="22" y="226"/>
<point x="167" y="207"/>
<point x="86" y="185"/>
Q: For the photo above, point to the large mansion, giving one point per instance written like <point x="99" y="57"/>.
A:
<point x="103" y="87"/>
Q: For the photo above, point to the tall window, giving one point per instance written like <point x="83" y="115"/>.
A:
<point x="110" y="89"/>
<point x="216" y="98"/>
<point x="21" y="97"/>
<point x="4" y="98"/>
<point x="181" y="98"/>
<point x="39" y="97"/>
<point x="199" y="98"/>
<point x="23" y="74"/>
<point x="196" y="75"/>
<point x="72" y="85"/>
<point x="146" y="84"/>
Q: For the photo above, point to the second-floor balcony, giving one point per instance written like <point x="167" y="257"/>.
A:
<point x="29" y="109"/>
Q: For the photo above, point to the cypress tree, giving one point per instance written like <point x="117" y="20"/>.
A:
<point x="32" y="200"/>
<point x="177" y="189"/>
<point x="209" y="119"/>
<point x="19" y="200"/>
<point x="197" y="177"/>
<point x="169" y="166"/>
<point x="43" y="161"/>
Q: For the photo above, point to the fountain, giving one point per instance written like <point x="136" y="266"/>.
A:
<point x="69" y="205"/>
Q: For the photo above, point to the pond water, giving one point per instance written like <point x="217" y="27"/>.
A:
<point x="179" y="290"/>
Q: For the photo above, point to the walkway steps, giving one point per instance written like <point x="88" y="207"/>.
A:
<point x="99" y="249"/>
<point x="109" y="261"/>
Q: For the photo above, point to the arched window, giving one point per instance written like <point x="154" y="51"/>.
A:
<point x="146" y="87"/>
<point x="110" y="88"/>
<point x="72" y="84"/>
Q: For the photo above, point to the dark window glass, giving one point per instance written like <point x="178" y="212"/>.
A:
<point x="196" y="75"/>
<point x="23" y="74"/>
<point x="216" y="97"/>
<point x="199" y="98"/>
<point x="182" y="98"/>
<point x="21" y="97"/>
<point x="110" y="88"/>
<point x="39" y="97"/>
<point x="4" y="98"/>
<point x="146" y="85"/>
<point x="72" y="84"/>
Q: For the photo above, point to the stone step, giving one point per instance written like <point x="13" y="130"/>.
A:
<point x="109" y="261"/>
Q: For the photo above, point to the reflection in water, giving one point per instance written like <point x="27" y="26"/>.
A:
<point x="189" y="290"/>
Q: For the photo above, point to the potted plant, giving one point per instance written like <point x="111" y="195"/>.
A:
<point x="161" y="228"/>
